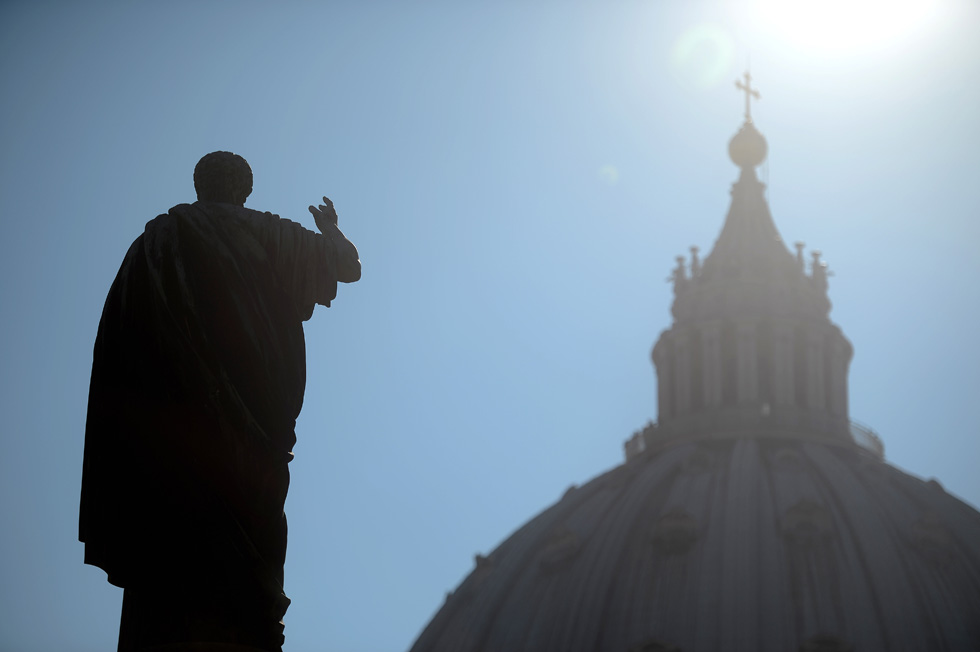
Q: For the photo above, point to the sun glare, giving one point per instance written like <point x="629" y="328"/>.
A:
<point x="845" y="27"/>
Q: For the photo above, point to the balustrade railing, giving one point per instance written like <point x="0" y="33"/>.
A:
<point x="867" y="438"/>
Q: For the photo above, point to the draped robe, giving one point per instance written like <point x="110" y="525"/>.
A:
<point x="198" y="376"/>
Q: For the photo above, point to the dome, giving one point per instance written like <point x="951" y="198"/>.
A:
<point x="754" y="515"/>
<point x="730" y="544"/>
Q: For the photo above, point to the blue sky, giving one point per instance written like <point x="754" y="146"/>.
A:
<point x="518" y="180"/>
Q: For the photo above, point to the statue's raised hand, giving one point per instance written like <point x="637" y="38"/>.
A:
<point x="348" y="264"/>
<point x="325" y="216"/>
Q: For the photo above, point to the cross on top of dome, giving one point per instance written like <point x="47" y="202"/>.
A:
<point x="749" y="93"/>
<point x="748" y="148"/>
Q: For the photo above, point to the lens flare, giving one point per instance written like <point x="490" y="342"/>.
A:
<point x="609" y="174"/>
<point x="702" y="56"/>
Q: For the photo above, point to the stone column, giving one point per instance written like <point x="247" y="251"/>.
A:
<point x="682" y="372"/>
<point x="815" y="394"/>
<point x="662" y="363"/>
<point x="711" y="364"/>
<point x="783" y="391"/>
<point x="838" y="377"/>
<point x="746" y="361"/>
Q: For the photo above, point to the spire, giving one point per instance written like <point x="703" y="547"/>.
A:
<point x="749" y="243"/>
<point x="751" y="349"/>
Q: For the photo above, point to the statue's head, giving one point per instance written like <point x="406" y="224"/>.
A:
<point x="223" y="177"/>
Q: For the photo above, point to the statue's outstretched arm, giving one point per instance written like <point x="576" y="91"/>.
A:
<point x="348" y="262"/>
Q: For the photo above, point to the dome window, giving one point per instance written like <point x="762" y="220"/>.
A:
<point x="675" y="533"/>
<point x="654" y="645"/>
<point x="807" y="524"/>
<point x="561" y="549"/>
<point x="825" y="643"/>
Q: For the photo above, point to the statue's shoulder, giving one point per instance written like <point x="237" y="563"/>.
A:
<point x="184" y="210"/>
<point x="212" y="221"/>
<point x="222" y="210"/>
<point x="165" y="220"/>
<point x="203" y="212"/>
<point x="163" y="223"/>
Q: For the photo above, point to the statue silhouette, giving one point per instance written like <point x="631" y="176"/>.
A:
<point x="198" y="376"/>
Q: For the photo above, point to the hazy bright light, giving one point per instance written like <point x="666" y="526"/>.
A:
<point x="845" y="27"/>
<point x="609" y="174"/>
<point x="703" y="55"/>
